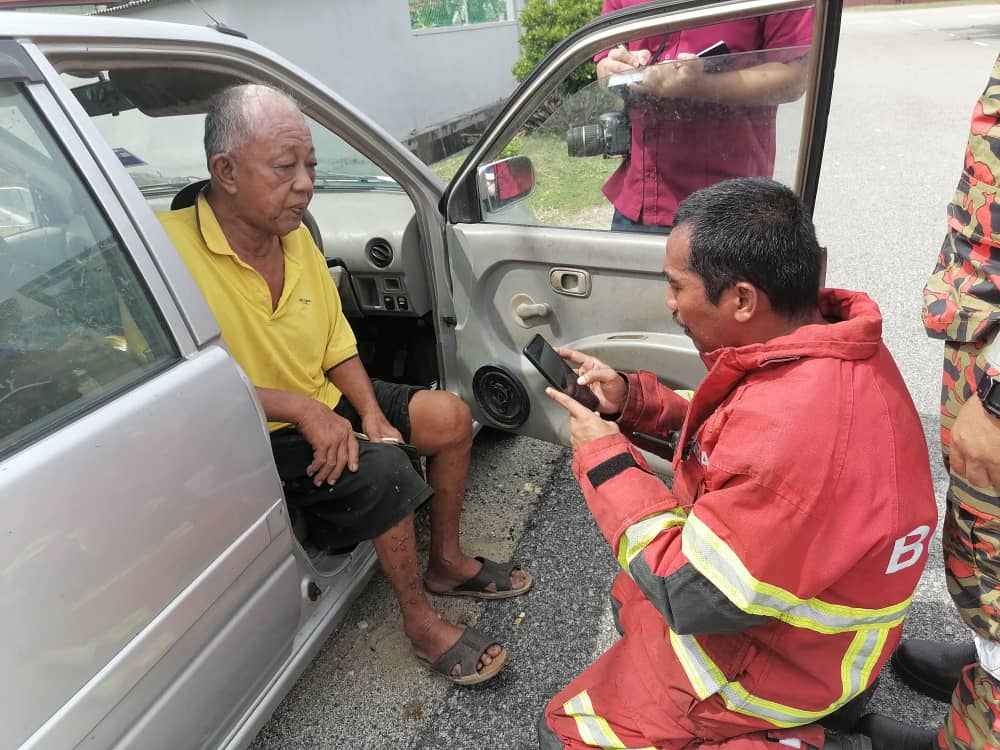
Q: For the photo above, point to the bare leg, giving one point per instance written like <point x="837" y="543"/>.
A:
<point x="441" y="429"/>
<point x="430" y="635"/>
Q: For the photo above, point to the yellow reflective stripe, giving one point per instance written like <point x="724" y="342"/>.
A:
<point x="593" y="729"/>
<point x="723" y="568"/>
<point x="707" y="679"/>
<point x="641" y="533"/>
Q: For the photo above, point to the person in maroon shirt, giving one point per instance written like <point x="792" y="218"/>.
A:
<point x="695" y="123"/>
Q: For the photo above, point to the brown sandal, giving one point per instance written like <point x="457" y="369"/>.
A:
<point x="466" y="652"/>
<point x="491" y="572"/>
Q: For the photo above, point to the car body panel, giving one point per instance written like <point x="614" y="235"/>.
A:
<point x="143" y="548"/>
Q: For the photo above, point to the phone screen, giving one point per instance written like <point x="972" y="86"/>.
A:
<point x="719" y="48"/>
<point x="559" y="374"/>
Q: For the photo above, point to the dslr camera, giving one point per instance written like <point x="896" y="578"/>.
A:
<point x="611" y="135"/>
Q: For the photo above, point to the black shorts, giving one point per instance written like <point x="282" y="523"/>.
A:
<point x="362" y="504"/>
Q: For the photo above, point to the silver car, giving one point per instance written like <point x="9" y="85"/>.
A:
<point x="154" y="593"/>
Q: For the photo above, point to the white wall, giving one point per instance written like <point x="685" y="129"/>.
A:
<point x="365" y="50"/>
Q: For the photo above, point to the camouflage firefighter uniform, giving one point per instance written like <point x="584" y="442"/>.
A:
<point x="962" y="306"/>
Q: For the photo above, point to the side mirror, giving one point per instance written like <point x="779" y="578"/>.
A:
<point x="505" y="182"/>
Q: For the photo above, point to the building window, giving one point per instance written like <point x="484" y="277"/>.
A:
<point x="431" y="14"/>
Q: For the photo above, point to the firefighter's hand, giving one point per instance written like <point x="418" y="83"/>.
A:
<point x="610" y="388"/>
<point x="584" y="425"/>
<point x="975" y="445"/>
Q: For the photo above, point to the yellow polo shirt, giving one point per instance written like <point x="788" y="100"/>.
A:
<point x="289" y="348"/>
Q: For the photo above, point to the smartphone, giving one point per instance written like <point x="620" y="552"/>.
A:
<point x="719" y="48"/>
<point x="559" y="374"/>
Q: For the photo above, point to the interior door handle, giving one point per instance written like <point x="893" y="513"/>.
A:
<point x="528" y="313"/>
<point x="536" y="310"/>
<point x="574" y="282"/>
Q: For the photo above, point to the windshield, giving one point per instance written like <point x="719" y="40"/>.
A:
<point x="166" y="152"/>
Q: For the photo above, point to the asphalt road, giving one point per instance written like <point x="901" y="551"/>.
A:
<point x="906" y="83"/>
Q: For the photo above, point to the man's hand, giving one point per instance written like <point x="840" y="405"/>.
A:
<point x="620" y="60"/>
<point x="975" y="445"/>
<point x="332" y="439"/>
<point x="584" y="425"/>
<point x="676" y="79"/>
<point x="609" y="387"/>
<point x="378" y="429"/>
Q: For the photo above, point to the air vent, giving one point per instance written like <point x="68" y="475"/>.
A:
<point x="379" y="252"/>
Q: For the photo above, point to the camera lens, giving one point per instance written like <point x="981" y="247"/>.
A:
<point x="585" y="140"/>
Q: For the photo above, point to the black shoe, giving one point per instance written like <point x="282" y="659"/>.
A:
<point x="845" y="717"/>
<point x="889" y="734"/>
<point x="931" y="667"/>
<point x="846" y="742"/>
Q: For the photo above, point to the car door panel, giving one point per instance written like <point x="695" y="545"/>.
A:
<point x="496" y="264"/>
<point x="213" y="653"/>
<point x="621" y="318"/>
<point x="145" y="506"/>
<point x="144" y="550"/>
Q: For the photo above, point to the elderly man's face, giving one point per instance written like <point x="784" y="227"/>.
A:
<point x="275" y="170"/>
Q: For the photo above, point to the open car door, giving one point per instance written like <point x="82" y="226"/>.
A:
<point x="528" y="231"/>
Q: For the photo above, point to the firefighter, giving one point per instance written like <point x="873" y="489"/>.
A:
<point x="766" y="588"/>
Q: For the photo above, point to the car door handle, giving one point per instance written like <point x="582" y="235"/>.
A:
<point x="572" y="281"/>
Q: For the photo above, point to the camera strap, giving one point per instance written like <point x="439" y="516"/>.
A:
<point x="659" y="50"/>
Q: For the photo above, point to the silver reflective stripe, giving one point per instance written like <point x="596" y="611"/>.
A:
<point x="706" y="678"/>
<point x="641" y="533"/>
<point x="720" y="565"/>
<point x="593" y="729"/>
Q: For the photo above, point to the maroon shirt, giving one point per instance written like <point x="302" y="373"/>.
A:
<point x="680" y="146"/>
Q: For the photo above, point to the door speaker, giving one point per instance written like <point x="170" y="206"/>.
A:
<point x="501" y="397"/>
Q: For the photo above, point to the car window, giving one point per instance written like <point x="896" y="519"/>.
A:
<point x="159" y="136"/>
<point x="627" y="148"/>
<point x="76" y="324"/>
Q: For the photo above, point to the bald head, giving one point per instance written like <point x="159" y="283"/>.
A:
<point x="235" y="115"/>
<point x="261" y="161"/>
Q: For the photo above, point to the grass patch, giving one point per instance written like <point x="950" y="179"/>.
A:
<point x="564" y="186"/>
<point x="446" y="168"/>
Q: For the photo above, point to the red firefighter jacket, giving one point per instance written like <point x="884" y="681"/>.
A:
<point x="773" y="577"/>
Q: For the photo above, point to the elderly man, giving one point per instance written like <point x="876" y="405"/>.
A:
<point x="766" y="588"/>
<point x="281" y="318"/>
